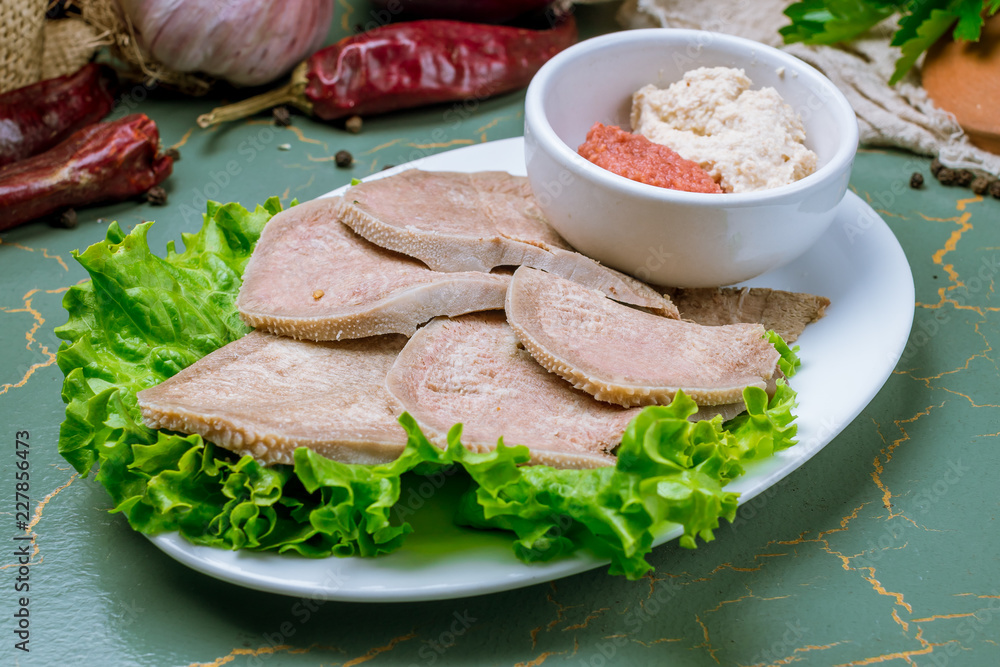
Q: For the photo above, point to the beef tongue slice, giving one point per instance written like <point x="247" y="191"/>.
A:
<point x="474" y="222"/>
<point x="628" y="357"/>
<point x="471" y="370"/>
<point x="266" y="395"/>
<point x="787" y="313"/>
<point x="311" y="277"/>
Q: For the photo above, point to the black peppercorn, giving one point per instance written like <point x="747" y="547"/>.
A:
<point x="947" y="176"/>
<point x="980" y="184"/>
<point x="994" y="189"/>
<point x="156" y="196"/>
<point x="936" y="167"/>
<point x="917" y="180"/>
<point x="65" y="220"/>
<point x="343" y="159"/>
<point x="964" y="177"/>
<point x="282" y="117"/>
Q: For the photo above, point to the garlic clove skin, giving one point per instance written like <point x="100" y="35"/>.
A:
<point x="245" y="42"/>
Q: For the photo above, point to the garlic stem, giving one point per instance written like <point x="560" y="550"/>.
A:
<point x="292" y="93"/>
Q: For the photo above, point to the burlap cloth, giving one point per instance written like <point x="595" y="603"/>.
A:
<point x="901" y="116"/>
<point x="32" y="48"/>
<point x="21" y="42"/>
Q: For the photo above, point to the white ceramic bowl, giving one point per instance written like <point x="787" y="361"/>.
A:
<point x="663" y="236"/>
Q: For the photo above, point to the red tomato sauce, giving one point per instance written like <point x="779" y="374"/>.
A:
<point x="639" y="159"/>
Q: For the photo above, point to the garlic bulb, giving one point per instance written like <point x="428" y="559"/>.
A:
<point x="245" y="42"/>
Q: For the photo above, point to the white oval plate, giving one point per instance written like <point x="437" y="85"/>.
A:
<point x="858" y="265"/>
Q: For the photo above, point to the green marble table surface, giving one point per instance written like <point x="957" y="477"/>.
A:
<point x="881" y="549"/>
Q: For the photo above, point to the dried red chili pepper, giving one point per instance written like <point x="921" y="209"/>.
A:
<point x="100" y="163"/>
<point x="35" y="118"/>
<point x="406" y="65"/>
<point x="479" y="11"/>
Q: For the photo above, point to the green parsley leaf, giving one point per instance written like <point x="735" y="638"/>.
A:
<point x="833" y="21"/>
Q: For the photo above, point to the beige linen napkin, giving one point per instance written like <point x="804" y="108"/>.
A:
<point x="901" y="116"/>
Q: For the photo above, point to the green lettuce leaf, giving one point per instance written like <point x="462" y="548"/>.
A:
<point x="789" y="362"/>
<point x="670" y="472"/>
<point x="142" y="318"/>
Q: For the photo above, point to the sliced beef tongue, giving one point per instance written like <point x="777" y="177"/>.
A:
<point x="474" y="222"/>
<point x="787" y="313"/>
<point x="727" y="410"/>
<point x="310" y="277"/>
<point x="471" y="370"/>
<point x="266" y="395"/>
<point x="628" y="357"/>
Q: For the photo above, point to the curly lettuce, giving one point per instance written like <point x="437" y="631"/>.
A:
<point x="142" y="318"/>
